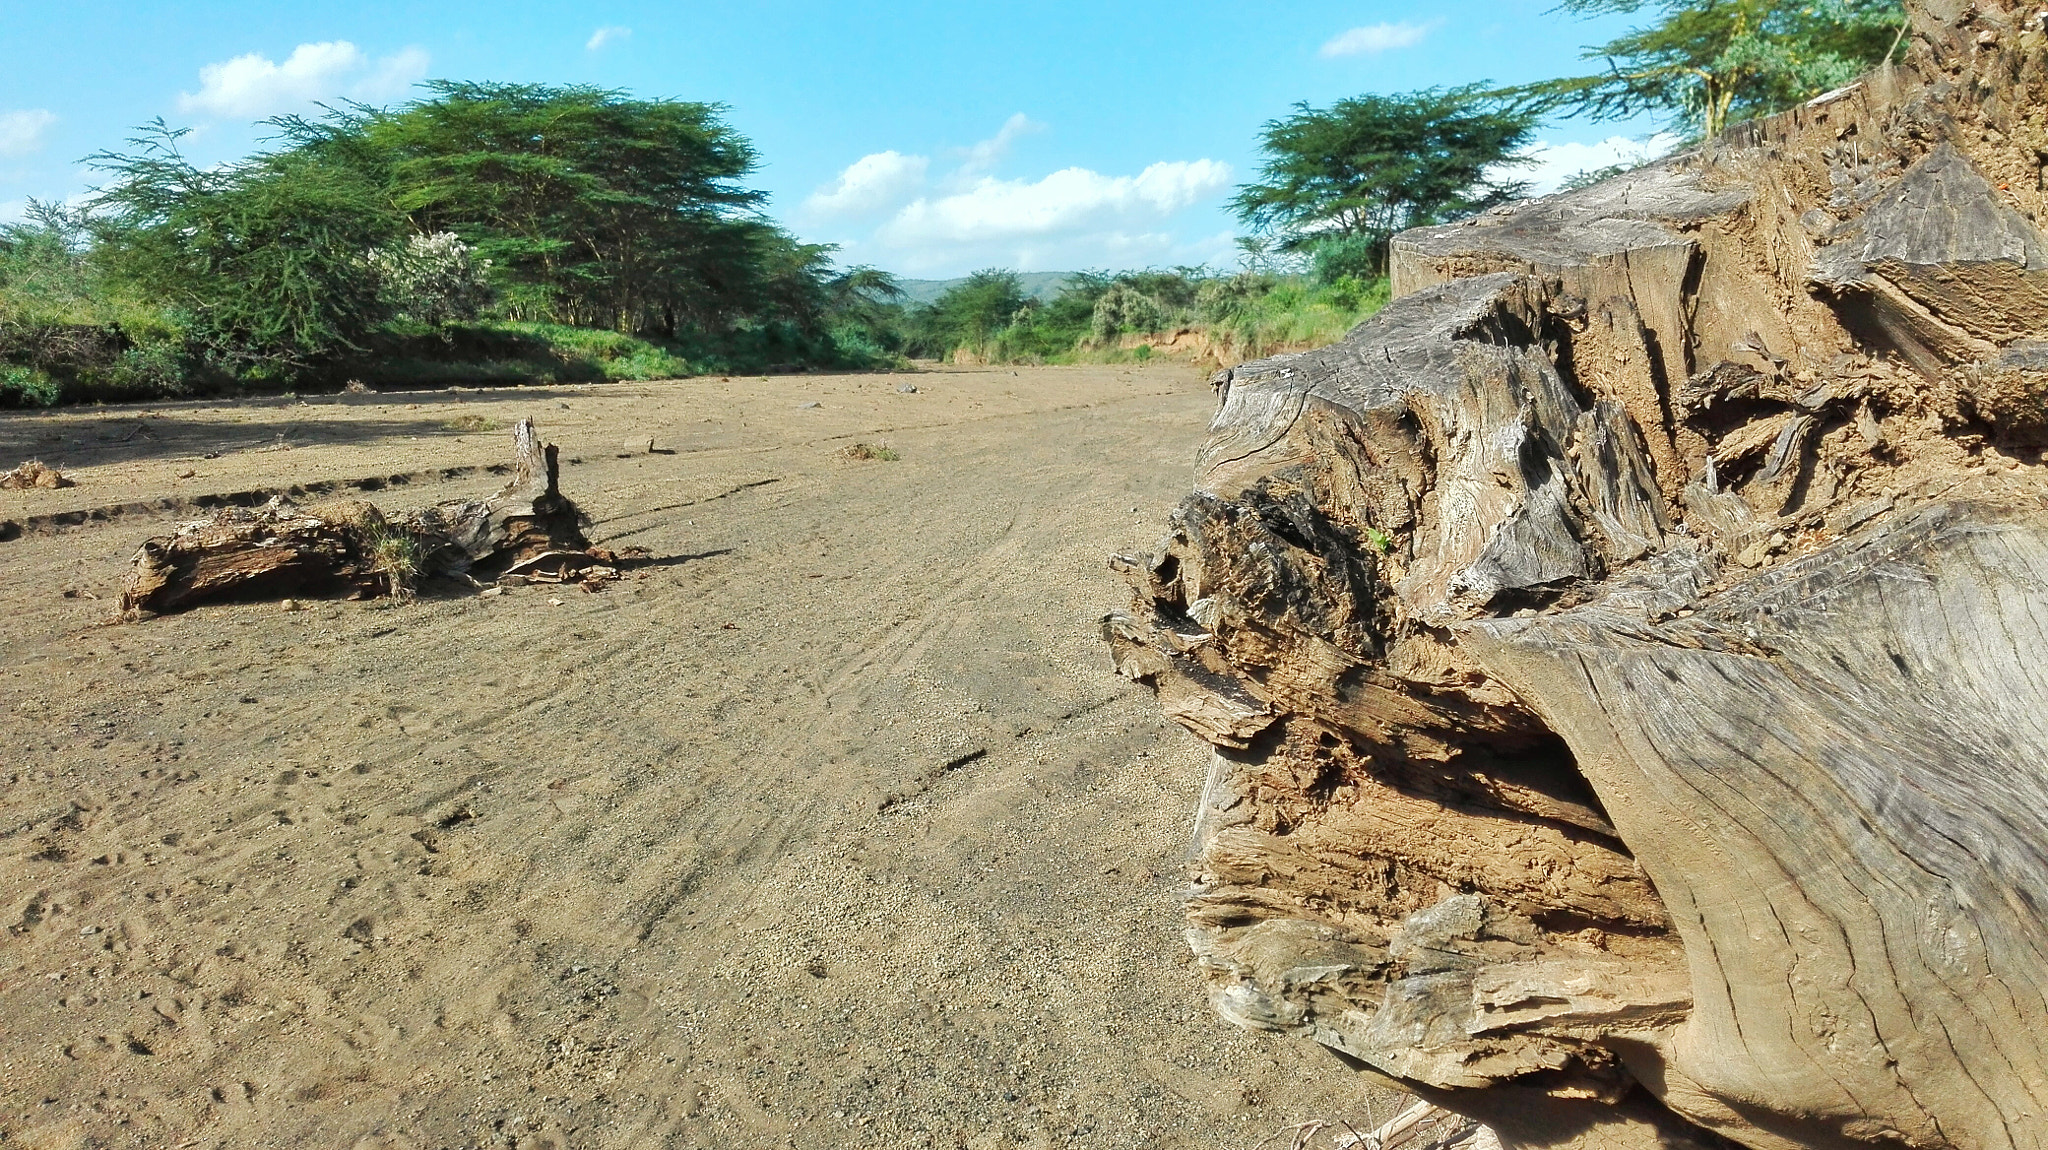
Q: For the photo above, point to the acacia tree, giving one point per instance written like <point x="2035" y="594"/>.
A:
<point x="970" y="314"/>
<point x="1708" y="63"/>
<point x="1367" y="167"/>
<point x="267" y="259"/>
<point x="594" y="208"/>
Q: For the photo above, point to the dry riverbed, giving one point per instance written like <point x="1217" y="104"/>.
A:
<point x="828" y="828"/>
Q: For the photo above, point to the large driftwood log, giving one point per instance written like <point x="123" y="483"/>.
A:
<point x="1625" y="654"/>
<point x="349" y="548"/>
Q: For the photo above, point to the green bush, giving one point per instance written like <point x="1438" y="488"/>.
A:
<point x="27" y="387"/>
<point x="268" y="258"/>
<point x="1124" y="308"/>
<point x="1226" y="299"/>
<point x="1346" y="257"/>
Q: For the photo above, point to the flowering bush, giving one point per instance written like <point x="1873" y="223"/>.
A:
<point x="433" y="278"/>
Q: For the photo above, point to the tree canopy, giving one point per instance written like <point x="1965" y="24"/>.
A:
<point x="1705" y="64"/>
<point x="580" y="206"/>
<point x="266" y="258"/>
<point x="597" y="209"/>
<point x="1369" y="166"/>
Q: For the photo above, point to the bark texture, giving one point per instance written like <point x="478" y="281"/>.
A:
<point x="1623" y="654"/>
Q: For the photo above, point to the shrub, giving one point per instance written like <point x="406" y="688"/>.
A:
<point x="1230" y="298"/>
<point x="432" y="278"/>
<point x="151" y="370"/>
<point x="1346" y="257"/>
<point x="1124" y="308"/>
<point x="27" y="387"/>
<point x="269" y="257"/>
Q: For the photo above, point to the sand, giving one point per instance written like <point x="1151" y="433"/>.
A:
<point x="830" y="828"/>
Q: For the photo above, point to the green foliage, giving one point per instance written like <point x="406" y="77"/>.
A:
<point x="26" y="387"/>
<point x="1339" y="257"/>
<point x="1704" y="64"/>
<point x="968" y="317"/>
<point x="45" y="272"/>
<point x="864" y="316"/>
<point x="513" y="351"/>
<point x="1369" y="166"/>
<point x="1042" y="332"/>
<point x="394" y="553"/>
<point x="1226" y="299"/>
<point x="65" y="333"/>
<point x="1250" y="315"/>
<point x="1125" y="308"/>
<point x="1096" y="314"/>
<point x="468" y="235"/>
<point x="268" y="258"/>
<point x="597" y="209"/>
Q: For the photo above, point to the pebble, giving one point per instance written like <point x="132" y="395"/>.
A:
<point x="490" y="592"/>
<point x="808" y="406"/>
<point x="639" y="445"/>
<point x="554" y="602"/>
<point x="908" y="389"/>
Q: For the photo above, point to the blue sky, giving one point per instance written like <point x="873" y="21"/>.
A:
<point x="926" y="138"/>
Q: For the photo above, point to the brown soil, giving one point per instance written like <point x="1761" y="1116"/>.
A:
<point x="830" y="828"/>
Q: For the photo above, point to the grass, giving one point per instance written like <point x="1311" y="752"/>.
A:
<point x="471" y="423"/>
<point x="129" y="356"/>
<point x="606" y="354"/>
<point x="1294" y="316"/>
<point x="512" y="352"/>
<point x="394" y="553"/>
<point x="1242" y="317"/>
<point x="873" y="451"/>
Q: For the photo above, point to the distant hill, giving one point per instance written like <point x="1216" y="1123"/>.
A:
<point x="1039" y="285"/>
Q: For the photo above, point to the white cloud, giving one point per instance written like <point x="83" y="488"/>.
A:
<point x="1072" y="218"/>
<point x="968" y="218"/>
<point x="21" y="133"/>
<point x="1069" y="200"/>
<point x="871" y="185"/>
<point x="393" y="76"/>
<point x="1550" y="165"/>
<point x="609" y="34"/>
<point x="985" y="155"/>
<point x="1375" y="38"/>
<point x="253" y="86"/>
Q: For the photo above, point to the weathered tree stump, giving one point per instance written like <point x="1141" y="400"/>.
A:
<point x="528" y="519"/>
<point x="349" y="548"/>
<point x="1625" y="654"/>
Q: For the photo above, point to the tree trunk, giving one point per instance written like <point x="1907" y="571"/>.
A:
<point x="348" y="547"/>
<point x="1623" y="654"/>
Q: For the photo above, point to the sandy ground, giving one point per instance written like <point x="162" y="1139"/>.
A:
<point x="833" y="829"/>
